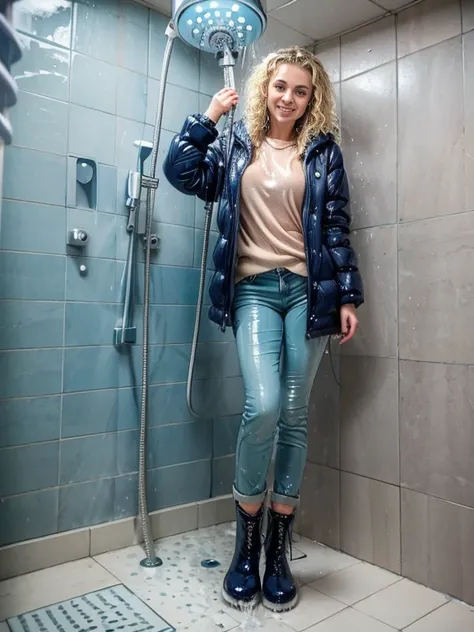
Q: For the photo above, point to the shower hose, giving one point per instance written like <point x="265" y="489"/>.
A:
<point x="151" y="559"/>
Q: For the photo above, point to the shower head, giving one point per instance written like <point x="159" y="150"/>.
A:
<point x="211" y="25"/>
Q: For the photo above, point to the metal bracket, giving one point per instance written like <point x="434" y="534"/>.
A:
<point x="149" y="183"/>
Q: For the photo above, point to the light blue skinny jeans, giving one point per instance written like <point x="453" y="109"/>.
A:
<point x="278" y="366"/>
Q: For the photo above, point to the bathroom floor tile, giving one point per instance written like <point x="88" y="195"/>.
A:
<point x="355" y="583"/>
<point x="350" y="620"/>
<point x="402" y="603"/>
<point x="453" y="616"/>
<point x="312" y="608"/>
<point x="320" y="561"/>
<point x="181" y="591"/>
<point x="51" y="585"/>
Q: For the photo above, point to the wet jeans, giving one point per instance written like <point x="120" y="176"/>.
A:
<point x="278" y="366"/>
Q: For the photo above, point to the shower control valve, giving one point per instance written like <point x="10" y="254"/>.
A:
<point x="77" y="237"/>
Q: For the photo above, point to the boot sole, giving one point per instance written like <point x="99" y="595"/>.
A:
<point x="239" y="604"/>
<point x="280" y="607"/>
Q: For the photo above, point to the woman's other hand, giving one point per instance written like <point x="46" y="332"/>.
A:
<point x="221" y="103"/>
<point x="349" y="322"/>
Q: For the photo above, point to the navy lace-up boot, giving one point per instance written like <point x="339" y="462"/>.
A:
<point x="279" y="587"/>
<point x="242" y="587"/>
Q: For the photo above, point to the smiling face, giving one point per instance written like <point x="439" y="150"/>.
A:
<point x="289" y="93"/>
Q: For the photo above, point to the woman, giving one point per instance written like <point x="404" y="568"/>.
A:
<point x="286" y="279"/>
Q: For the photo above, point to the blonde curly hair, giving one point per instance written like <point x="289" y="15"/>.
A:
<point x="321" y="115"/>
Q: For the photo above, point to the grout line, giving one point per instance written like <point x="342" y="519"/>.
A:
<point x="397" y="292"/>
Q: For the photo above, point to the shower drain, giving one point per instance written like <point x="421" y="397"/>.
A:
<point x="107" y="610"/>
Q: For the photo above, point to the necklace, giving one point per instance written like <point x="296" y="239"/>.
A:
<point x="279" y="148"/>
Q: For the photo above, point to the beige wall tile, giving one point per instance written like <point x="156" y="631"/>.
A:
<point x="436" y="260"/>
<point x="370" y="521"/>
<point x="438" y="544"/>
<point x="369" y="119"/>
<point x="426" y="24"/>
<point x="430" y="124"/>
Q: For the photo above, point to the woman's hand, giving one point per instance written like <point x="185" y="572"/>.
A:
<point x="349" y="322"/>
<point x="221" y="103"/>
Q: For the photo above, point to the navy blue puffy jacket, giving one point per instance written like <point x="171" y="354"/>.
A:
<point x="196" y="165"/>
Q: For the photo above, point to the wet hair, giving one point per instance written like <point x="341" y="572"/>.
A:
<point x="320" y="116"/>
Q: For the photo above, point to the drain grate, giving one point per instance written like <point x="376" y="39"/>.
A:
<point x="107" y="610"/>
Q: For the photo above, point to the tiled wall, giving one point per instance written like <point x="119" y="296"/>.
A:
<point x="68" y="413"/>
<point x="395" y="478"/>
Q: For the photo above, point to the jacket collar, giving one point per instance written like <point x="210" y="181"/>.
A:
<point x="241" y="133"/>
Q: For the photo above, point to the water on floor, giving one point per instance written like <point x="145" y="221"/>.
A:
<point x="337" y="593"/>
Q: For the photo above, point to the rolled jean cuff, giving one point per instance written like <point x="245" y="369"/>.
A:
<point x="292" y="501"/>
<point x="256" y="499"/>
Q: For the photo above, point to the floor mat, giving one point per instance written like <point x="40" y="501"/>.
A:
<point x="107" y="610"/>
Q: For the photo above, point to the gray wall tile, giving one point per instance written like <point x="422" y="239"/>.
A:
<point x="323" y="415"/>
<point x="88" y="458"/>
<point x="28" y="468"/>
<point x="43" y="68"/>
<point x="176" y="245"/>
<point x="31" y="324"/>
<point x="28" y="516"/>
<point x="136" y="13"/>
<point x="319" y="505"/>
<point x="368" y="47"/>
<point x="370" y="521"/>
<point x="27" y="276"/>
<point x="133" y="48"/>
<point x="436" y="258"/>
<point x="179" y="443"/>
<point x="467" y="15"/>
<point x="106" y="189"/>
<point x="30" y="373"/>
<point x="29" y="420"/>
<point x="33" y="227"/>
<point x="127" y="132"/>
<point x="169" y="363"/>
<point x="54" y="26"/>
<point x="225" y="431"/>
<point x="86" y="504"/>
<point x="91" y="134"/>
<point x="89" y="324"/>
<point x="437" y="544"/>
<point x="329" y="53"/>
<point x="433" y="75"/>
<point x="426" y="24"/>
<point x="376" y="249"/>
<point x="179" y="103"/>
<point x="223" y="472"/>
<point x="113" y="410"/>
<point x="125" y="496"/>
<point x="171" y="324"/>
<point x="40" y="123"/>
<point x="369" y="136"/>
<point x="46" y="176"/>
<point x="90" y="368"/>
<point x="169" y="486"/>
<point x="132" y="95"/>
<point x="86" y="75"/>
<point x="369" y="418"/>
<point x="184" y="65"/>
<point x="96" y="33"/>
<point x="468" y="59"/>
<point x="436" y="437"/>
<point x="98" y="284"/>
<point x="101" y="228"/>
<point x="211" y="77"/>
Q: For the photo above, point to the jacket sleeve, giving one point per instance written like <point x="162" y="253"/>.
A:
<point x="192" y="163"/>
<point x="336" y="228"/>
